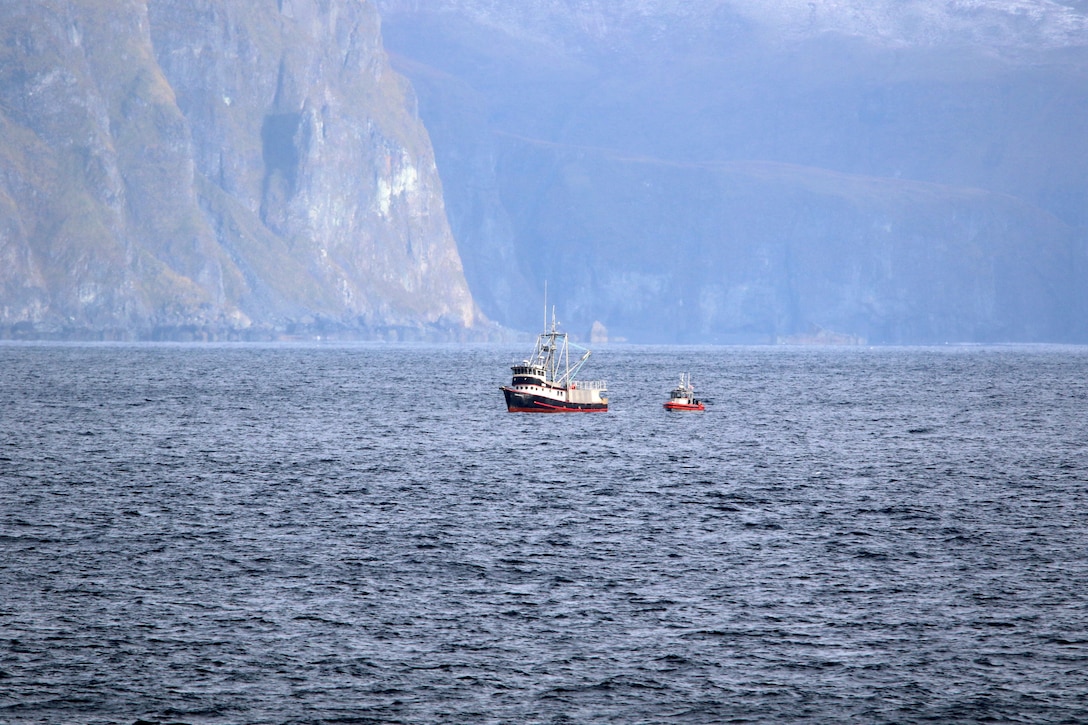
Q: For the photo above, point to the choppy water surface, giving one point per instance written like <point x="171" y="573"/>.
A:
<point x="363" y="534"/>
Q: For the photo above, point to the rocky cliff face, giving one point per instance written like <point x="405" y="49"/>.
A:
<point x="763" y="252"/>
<point x="210" y="168"/>
<point x="740" y="170"/>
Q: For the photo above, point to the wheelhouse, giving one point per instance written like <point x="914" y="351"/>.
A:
<point x="527" y="374"/>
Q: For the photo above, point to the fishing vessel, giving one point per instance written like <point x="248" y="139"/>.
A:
<point x="683" y="397"/>
<point x="545" y="383"/>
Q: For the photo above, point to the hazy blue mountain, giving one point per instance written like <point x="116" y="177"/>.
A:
<point x="209" y="168"/>
<point x="719" y="170"/>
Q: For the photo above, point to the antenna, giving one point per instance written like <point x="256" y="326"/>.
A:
<point x="545" y="305"/>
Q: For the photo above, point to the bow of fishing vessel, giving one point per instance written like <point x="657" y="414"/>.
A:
<point x="545" y="382"/>
<point x="683" y="397"/>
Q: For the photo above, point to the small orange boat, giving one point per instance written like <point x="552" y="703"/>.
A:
<point x="683" y="397"/>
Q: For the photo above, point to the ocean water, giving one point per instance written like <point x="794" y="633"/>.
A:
<point x="363" y="534"/>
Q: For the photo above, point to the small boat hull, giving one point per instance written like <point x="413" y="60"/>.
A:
<point x="519" y="401"/>
<point x="674" y="405"/>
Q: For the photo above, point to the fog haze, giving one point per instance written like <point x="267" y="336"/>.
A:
<point x="751" y="172"/>
<point x="711" y="171"/>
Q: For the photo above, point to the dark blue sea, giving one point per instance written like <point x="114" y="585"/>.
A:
<point x="362" y="534"/>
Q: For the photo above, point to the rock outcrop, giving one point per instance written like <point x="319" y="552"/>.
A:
<point x="205" y="168"/>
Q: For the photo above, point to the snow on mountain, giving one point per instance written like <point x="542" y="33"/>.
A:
<point x="1001" y="24"/>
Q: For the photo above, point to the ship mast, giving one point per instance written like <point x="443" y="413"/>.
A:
<point x="552" y="356"/>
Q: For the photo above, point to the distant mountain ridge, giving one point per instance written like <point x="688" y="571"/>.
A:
<point x="176" y="170"/>
<point x="740" y="171"/>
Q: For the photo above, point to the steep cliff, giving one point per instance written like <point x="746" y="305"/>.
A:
<point x="761" y="252"/>
<point x="741" y="170"/>
<point x="215" y="169"/>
